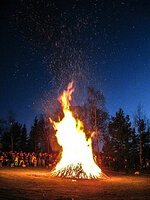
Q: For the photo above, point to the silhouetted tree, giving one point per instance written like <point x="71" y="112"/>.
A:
<point x="145" y="141"/>
<point x="33" y="137"/>
<point x="11" y="137"/>
<point x="6" y="141"/>
<point x="11" y="120"/>
<point x="97" y="114"/>
<point x="3" y="127"/>
<point x="23" y="139"/>
<point x="15" y="130"/>
<point x="139" y="121"/>
<point x="134" y="151"/>
<point x="44" y="131"/>
<point x="119" y="140"/>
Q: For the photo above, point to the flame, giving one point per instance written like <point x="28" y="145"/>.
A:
<point x="77" y="157"/>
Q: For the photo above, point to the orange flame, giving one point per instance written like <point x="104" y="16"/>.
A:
<point x="66" y="97"/>
<point x="77" y="157"/>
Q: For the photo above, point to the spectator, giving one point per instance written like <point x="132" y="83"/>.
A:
<point x="39" y="160"/>
<point x="16" y="160"/>
<point x="1" y="159"/>
<point x="43" y="160"/>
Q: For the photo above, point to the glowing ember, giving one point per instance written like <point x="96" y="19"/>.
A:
<point x="77" y="157"/>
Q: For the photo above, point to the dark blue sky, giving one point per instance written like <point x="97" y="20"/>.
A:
<point x="44" y="45"/>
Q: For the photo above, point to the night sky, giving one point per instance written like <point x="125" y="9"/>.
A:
<point x="45" y="44"/>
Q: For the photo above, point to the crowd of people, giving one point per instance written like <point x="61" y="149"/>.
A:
<point x="117" y="165"/>
<point x="22" y="159"/>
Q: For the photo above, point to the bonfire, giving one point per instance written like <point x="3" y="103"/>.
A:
<point x="77" y="155"/>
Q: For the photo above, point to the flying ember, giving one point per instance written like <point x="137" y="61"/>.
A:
<point x="77" y="156"/>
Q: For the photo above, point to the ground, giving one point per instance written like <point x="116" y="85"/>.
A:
<point x="36" y="183"/>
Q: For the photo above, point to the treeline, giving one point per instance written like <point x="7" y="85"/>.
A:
<point x="14" y="136"/>
<point x="120" y="139"/>
<point x="126" y="142"/>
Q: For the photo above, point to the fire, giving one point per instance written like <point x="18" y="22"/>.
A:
<point x="77" y="157"/>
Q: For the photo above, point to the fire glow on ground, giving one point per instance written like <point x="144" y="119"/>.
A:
<point x="31" y="183"/>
